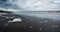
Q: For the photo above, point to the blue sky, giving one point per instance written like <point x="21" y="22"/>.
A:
<point x="31" y="5"/>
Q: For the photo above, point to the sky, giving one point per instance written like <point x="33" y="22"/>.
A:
<point x="31" y="5"/>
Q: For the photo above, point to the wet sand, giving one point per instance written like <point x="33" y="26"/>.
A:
<point x="30" y="23"/>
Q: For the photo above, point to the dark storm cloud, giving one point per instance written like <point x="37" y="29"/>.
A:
<point x="3" y="0"/>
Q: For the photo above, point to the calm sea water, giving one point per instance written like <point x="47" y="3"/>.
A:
<point x="52" y="15"/>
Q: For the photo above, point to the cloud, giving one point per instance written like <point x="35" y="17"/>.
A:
<point x="8" y="5"/>
<point x="37" y="5"/>
<point x="9" y="9"/>
<point x="33" y="5"/>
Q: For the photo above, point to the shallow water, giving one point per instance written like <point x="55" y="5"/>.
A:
<point x="52" y="15"/>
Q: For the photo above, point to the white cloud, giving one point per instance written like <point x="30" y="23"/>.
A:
<point x="56" y="1"/>
<point x="37" y="5"/>
<point x="34" y="5"/>
<point x="9" y="9"/>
